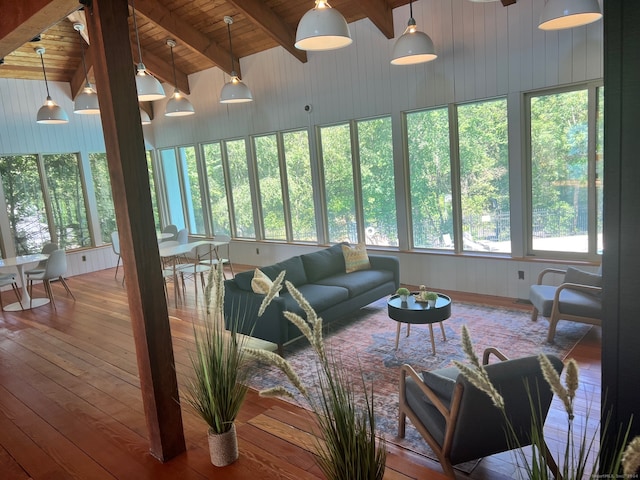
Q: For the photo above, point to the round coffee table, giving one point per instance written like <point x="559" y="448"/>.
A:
<point x="419" y="313"/>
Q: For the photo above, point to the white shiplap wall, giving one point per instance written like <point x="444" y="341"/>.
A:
<point x="484" y="50"/>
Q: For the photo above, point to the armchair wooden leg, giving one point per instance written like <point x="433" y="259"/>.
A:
<point x="534" y="314"/>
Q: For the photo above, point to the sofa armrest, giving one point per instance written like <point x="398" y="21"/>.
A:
<point x="271" y="326"/>
<point x="386" y="262"/>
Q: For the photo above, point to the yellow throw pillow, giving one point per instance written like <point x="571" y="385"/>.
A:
<point x="355" y="258"/>
<point x="260" y="282"/>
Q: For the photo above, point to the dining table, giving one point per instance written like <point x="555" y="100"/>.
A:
<point x="18" y="263"/>
<point x="173" y="251"/>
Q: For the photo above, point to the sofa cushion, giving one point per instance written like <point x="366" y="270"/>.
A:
<point x="358" y="282"/>
<point x="323" y="263"/>
<point x="320" y="297"/>
<point x="355" y="258"/>
<point x="294" y="268"/>
<point x="243" y="280"/>
<point x="261" y="283"/>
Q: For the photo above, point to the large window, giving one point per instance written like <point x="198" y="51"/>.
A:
<point x="236" y="153"/>
<point x="66" y="200"/>
<point x="173" y="193"/>
<point x="216" y="189"/>
<point x="338" y="183"/>
<point x="359" y="185"/>
<point x="484" y="176"/>
<point x="25" y="203"/>
<point x="430" y="178"/>
<point x="189" y="169"/>
<point x="269" y="180"/>
<point x="375" y="151"/>
<point x="565" y="204"/>
<point x="301" y="205"/>
<point x="104" y="198"/>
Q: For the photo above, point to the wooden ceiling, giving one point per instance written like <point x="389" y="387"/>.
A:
<point x="197" y="26"/>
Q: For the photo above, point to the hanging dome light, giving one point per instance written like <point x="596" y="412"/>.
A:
<point x="178" y="105"/>
<point x="87" y="101"/>
<point x="234" y="91"/>
<point x="144" y="117"/>
<point x="413" y="46"/>
<point x="49" y="113"/>
<point x="322" y="28"/>
<point x="561" y="14"/>
<point x="148" y="86"/>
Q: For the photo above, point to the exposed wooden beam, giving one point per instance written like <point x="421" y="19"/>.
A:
<point x="184" y="33"/>
<point x="380" y="14"/>
<point x="78" y="80"/>
<point x="20" y="21"/>
<point x="79" y="17"/>
<point x="124" y="142"/>
<point x="262" y="16"/>
<point x="161" y="70"/>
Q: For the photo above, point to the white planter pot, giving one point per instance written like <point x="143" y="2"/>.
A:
<point x="223" y="447"/>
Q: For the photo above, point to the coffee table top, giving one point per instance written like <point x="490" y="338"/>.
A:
<point x="418" y="312"/>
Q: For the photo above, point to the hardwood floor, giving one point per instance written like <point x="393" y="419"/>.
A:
<point x="70" y="404"/>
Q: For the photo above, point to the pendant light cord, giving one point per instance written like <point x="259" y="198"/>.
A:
<point x="229" y="21"/>
<point x="46" y="84"/>
<point x="84" y="64"/>
<point x="173" y="62"/>
<point x="135" y="27"/>
<point x="410" y="10"/>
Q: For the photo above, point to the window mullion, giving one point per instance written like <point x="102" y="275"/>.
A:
<point x="455" y="178"/>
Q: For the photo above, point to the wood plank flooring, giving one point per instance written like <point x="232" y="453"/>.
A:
<point x="70" y="405"/>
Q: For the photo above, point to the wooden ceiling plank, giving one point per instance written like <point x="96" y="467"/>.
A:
<point x="380" y="14"/>
<point x="184" y="33"/>
<point x="21" y="21"/>
<point x="266" y="19"/>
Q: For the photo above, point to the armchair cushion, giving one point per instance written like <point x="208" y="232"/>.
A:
<point x="581" y="277"/>
<point x="572" y="302"/>
<point x="442" y="382"/>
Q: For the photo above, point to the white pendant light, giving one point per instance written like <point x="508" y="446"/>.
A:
<point x="87" y="101"/>
<point x="322" y="28"/>
<point x="561" y="14"/>
<point x="178" y="105"/>
<point x="144" y="117"/>
<point x="149" y="88"/>
<point x="413" y="46"/>
<point x="234" y="91"/>
<point x="50" y="112"/>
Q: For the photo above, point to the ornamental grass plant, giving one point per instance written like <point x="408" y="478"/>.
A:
<point x="218" y="388"/>
<point x="582" y="455"/>
<point x="347" y="447"/>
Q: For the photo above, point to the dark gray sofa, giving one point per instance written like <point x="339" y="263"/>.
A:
<point x="320" y="276"/>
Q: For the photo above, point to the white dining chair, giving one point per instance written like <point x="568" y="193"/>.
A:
<point x="47" y="248"/>
<point x="115" y="245"/>
<point x="55" y="270"/>
<point x="10" y="279"/>
<point x="173" y="230"/>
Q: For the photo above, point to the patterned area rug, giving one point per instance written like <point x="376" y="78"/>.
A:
<point x="366" y="340"/>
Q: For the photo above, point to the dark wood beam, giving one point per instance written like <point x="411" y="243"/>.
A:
<point x="78" y="79"/>
<point x="380" y="14"/>
<point x="124" y="141"/>
<point x="185" y="34"/>
<point x="20" y="21"/>
<point x="263" y="17"/>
